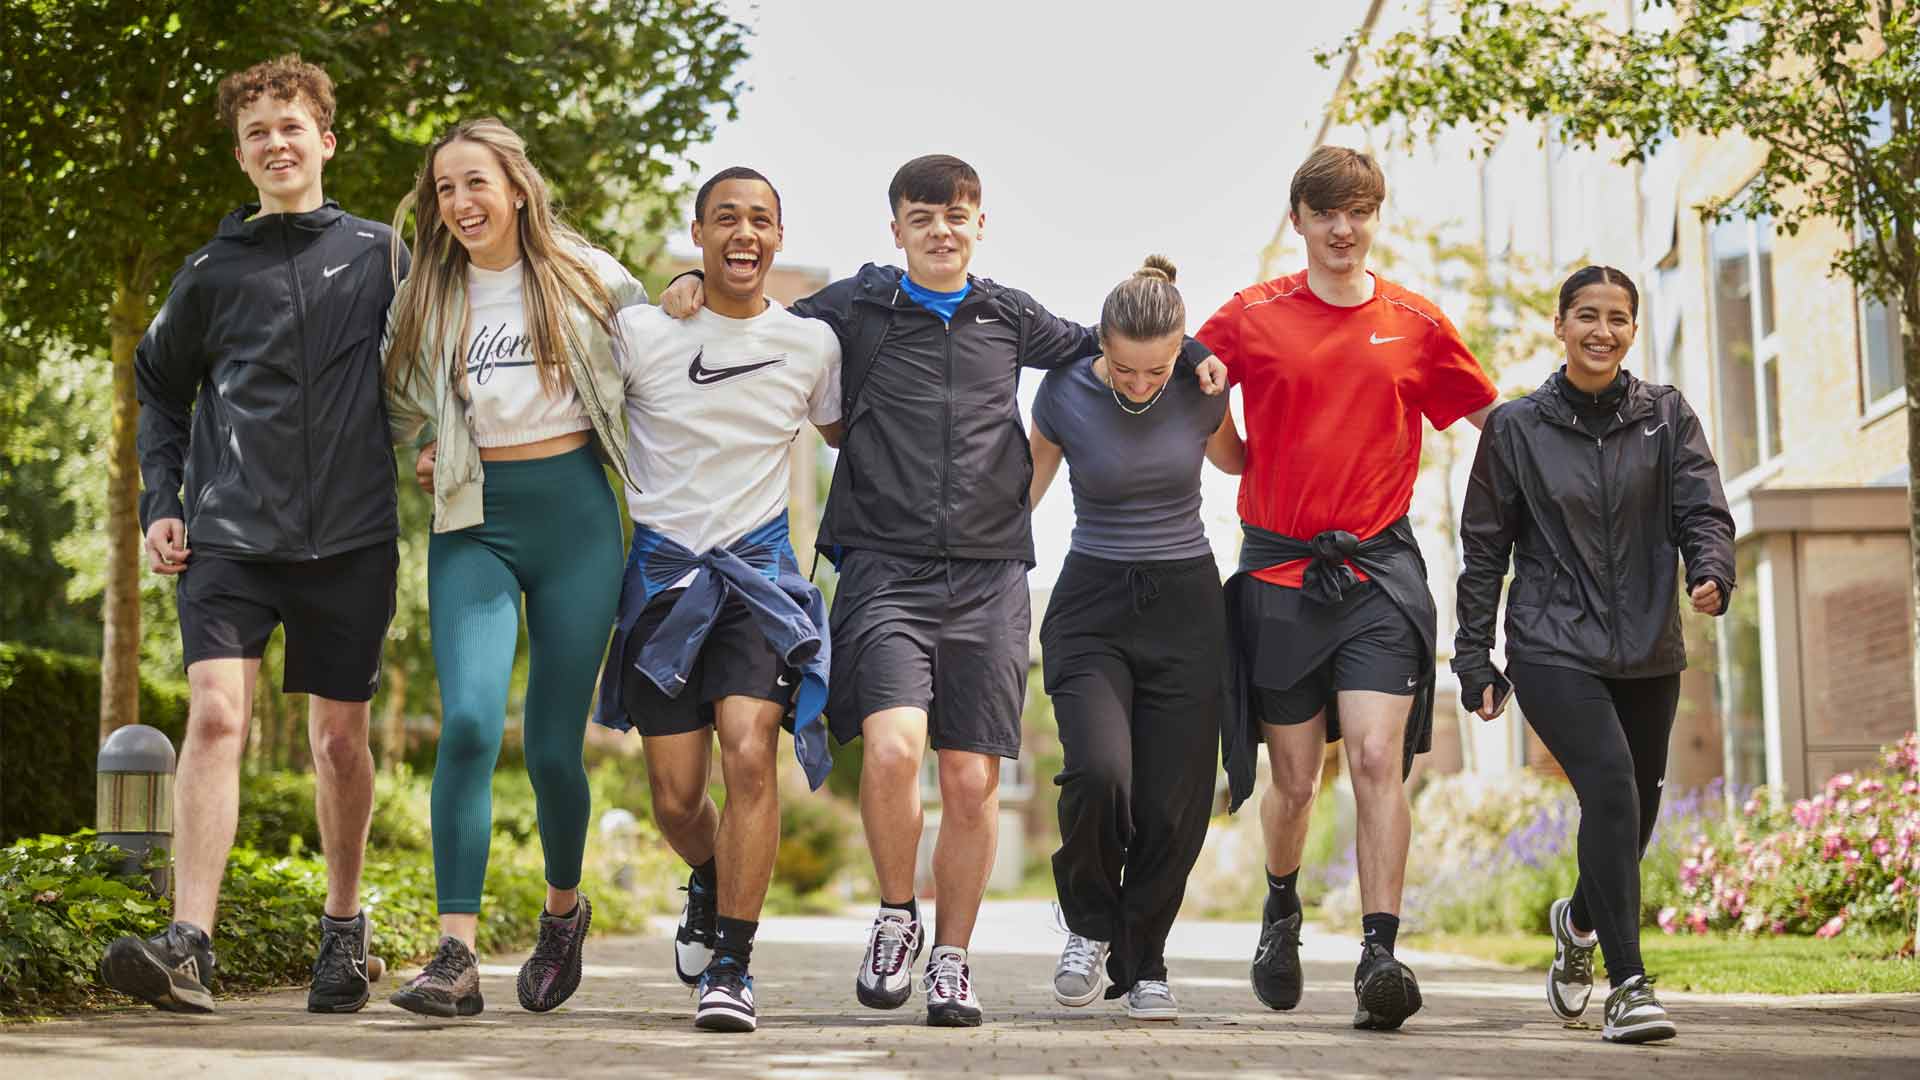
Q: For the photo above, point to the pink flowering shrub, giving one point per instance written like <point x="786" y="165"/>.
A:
<point x="1846" y="857"/>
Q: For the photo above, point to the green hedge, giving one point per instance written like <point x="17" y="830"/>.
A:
<point x="50" y="729"/>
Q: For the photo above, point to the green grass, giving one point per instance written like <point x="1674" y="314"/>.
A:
<point x="1866" y="963"/>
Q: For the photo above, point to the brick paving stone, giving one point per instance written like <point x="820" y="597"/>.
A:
<point x="632" y="1017"/>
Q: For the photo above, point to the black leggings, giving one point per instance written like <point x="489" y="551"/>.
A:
<point x="1610" y="735"/>
<point x="1133" y="657"/>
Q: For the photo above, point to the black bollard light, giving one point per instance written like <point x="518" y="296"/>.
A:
<point x="133" y="808"/>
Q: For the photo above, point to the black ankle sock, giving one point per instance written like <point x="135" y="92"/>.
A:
<point x="734" y="938"/>
<point x="1283" y="894"/>
<point x="911" y="907"/>
<point x="707" y="875"/>
<point x="1379" y="928"/>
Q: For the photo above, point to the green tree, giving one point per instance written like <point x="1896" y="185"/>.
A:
<point x="1829" y="88"/>
<point x="118" y="167"/>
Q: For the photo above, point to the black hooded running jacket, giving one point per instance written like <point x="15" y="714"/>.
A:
<point x="268" y="345"/>
<point x="1595" y="526"/>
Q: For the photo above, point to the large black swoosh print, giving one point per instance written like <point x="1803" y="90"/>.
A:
<point x="706" y="376"/>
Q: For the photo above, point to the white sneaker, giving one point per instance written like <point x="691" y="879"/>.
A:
<point x="1570" y="979"/>
<point x="886" y="975"/>
<point x="1152" y="999"/>
<point x="1082" y="971"/>
<point x="693" y="938"/>
<point x="948" y="985"/>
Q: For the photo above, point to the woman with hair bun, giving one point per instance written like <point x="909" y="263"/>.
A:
<point x="1596" y="487"/>
<point x="1134" y="638"/>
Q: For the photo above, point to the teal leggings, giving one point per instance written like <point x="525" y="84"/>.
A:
<point x="552" y="532"/>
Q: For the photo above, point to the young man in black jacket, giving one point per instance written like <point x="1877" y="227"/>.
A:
<point x="929" y="525"/>
<point x="259" y="382"/>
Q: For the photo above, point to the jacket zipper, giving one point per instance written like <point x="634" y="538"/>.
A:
<point x="306" y="387"/>
<point x="946" y="459"/>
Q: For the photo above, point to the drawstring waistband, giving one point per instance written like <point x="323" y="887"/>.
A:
<point x="1144" y="584"/>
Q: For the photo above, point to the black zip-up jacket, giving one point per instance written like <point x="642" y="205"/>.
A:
<point x="935" y="461"/>
<point x="1595" y="525"/>
<point x="268" y="345"/>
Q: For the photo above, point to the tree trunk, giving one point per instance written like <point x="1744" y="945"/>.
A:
<point x="120" y="650"/>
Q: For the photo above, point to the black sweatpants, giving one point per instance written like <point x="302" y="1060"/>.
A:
<point x="1134" y="657"/>
<point x="1610" y="735"/>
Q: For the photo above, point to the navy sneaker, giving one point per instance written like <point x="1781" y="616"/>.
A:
<point x="726" y="998"/>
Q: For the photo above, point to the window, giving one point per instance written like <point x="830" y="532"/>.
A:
<point x="1883" y="367"/>
<point x="1746" y="350"/>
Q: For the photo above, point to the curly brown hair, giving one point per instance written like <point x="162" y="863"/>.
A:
<point x="287" y="78"/>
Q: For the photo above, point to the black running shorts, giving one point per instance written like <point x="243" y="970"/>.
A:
<point x="734" y="661"/>
<point x="336" y="611"/>
<point x="945" y="635"/>
<point x="1304" y="652"/>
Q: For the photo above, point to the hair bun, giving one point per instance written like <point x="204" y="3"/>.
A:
<point x="1157" y="267"/>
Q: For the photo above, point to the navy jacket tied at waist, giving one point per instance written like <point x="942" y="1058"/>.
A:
<point x="1391" y="559"/>
<point x="762" y="571"/>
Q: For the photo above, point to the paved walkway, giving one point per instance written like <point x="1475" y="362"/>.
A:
<point x="632" y="1017"/>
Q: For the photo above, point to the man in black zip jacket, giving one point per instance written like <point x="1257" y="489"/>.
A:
<point x="929" y="525"/>
<point x="269" y="496"/>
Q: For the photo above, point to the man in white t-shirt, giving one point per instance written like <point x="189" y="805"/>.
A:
<point x="714" y="403"/>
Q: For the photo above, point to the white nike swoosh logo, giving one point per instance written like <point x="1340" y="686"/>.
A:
<point x="784" y="681"/>
<point x="1650" y="432"/>
<point x="335" y="270"/>
<point x="1415" y="681"/>
<point x="1376" y="339"/>
<point x="984" y="319"/>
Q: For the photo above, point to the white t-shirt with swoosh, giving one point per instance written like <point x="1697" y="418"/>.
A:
<point x="713" y="404"/>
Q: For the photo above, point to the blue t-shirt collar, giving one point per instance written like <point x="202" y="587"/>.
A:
<point x="943" y="304"/>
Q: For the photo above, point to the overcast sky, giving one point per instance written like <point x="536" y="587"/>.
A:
<point x="1101" y="132"/>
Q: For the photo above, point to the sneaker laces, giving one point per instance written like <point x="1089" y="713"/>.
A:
<point x="448" y="962"/>
<point x="1153" y="988"/>
<point x="1632" y="996"/>
<point x="946" y="977"/>
<point x="701" y="911"/>
<point x="891" y="943"/>
<point x="1080" y="955"/>
<point x="725" y="974"/>
<point x="1580" y="962"/>
<point x="336" y="957"/>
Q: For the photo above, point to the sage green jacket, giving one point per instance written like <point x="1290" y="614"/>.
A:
<point x="428" y="410"/>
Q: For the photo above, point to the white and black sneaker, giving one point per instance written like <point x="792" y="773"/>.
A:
<point x="1570" y="980"/>
<point x="886" y="975"/>
<point x="168" y="971"/>
<point x="1634" y="1015"/>
<point x="726" y="998"/>
<point x="1081" y="973"/>
<point x="693" y="939"/>
<point x="948" y="985"/>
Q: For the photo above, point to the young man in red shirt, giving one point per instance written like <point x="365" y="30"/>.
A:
<point x="1331" y="619"/>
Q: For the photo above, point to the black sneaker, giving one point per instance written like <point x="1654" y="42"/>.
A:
<point x="450" y="985"/>
<point x="726" y="998"/>
<point x="693" y="941"/>
<point x="340" y="982"/>
<point x="552" y="973"/>
<point x="1277" y="980"/>
<point x="1385" y="990"/>
<point x="1570" y="980"/>
<point x="1634" y="1015"/>
<point x="168" y="971"/>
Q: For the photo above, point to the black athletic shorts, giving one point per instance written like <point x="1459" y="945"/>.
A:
<point x="945" y="635"/>
<point x="735" y="660"/>
<point x="336" y="611"/>
<point x="1303" y="652"/>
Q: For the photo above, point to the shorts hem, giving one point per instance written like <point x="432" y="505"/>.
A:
<point x="992" y="750"/>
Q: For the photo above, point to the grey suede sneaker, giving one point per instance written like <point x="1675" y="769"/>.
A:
<point x="450" y="985"/>
<point x="1152" y="999"/>
<point x="1082" y="970"/>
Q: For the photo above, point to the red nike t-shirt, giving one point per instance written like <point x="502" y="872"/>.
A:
<point x="1333" y="400"/>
